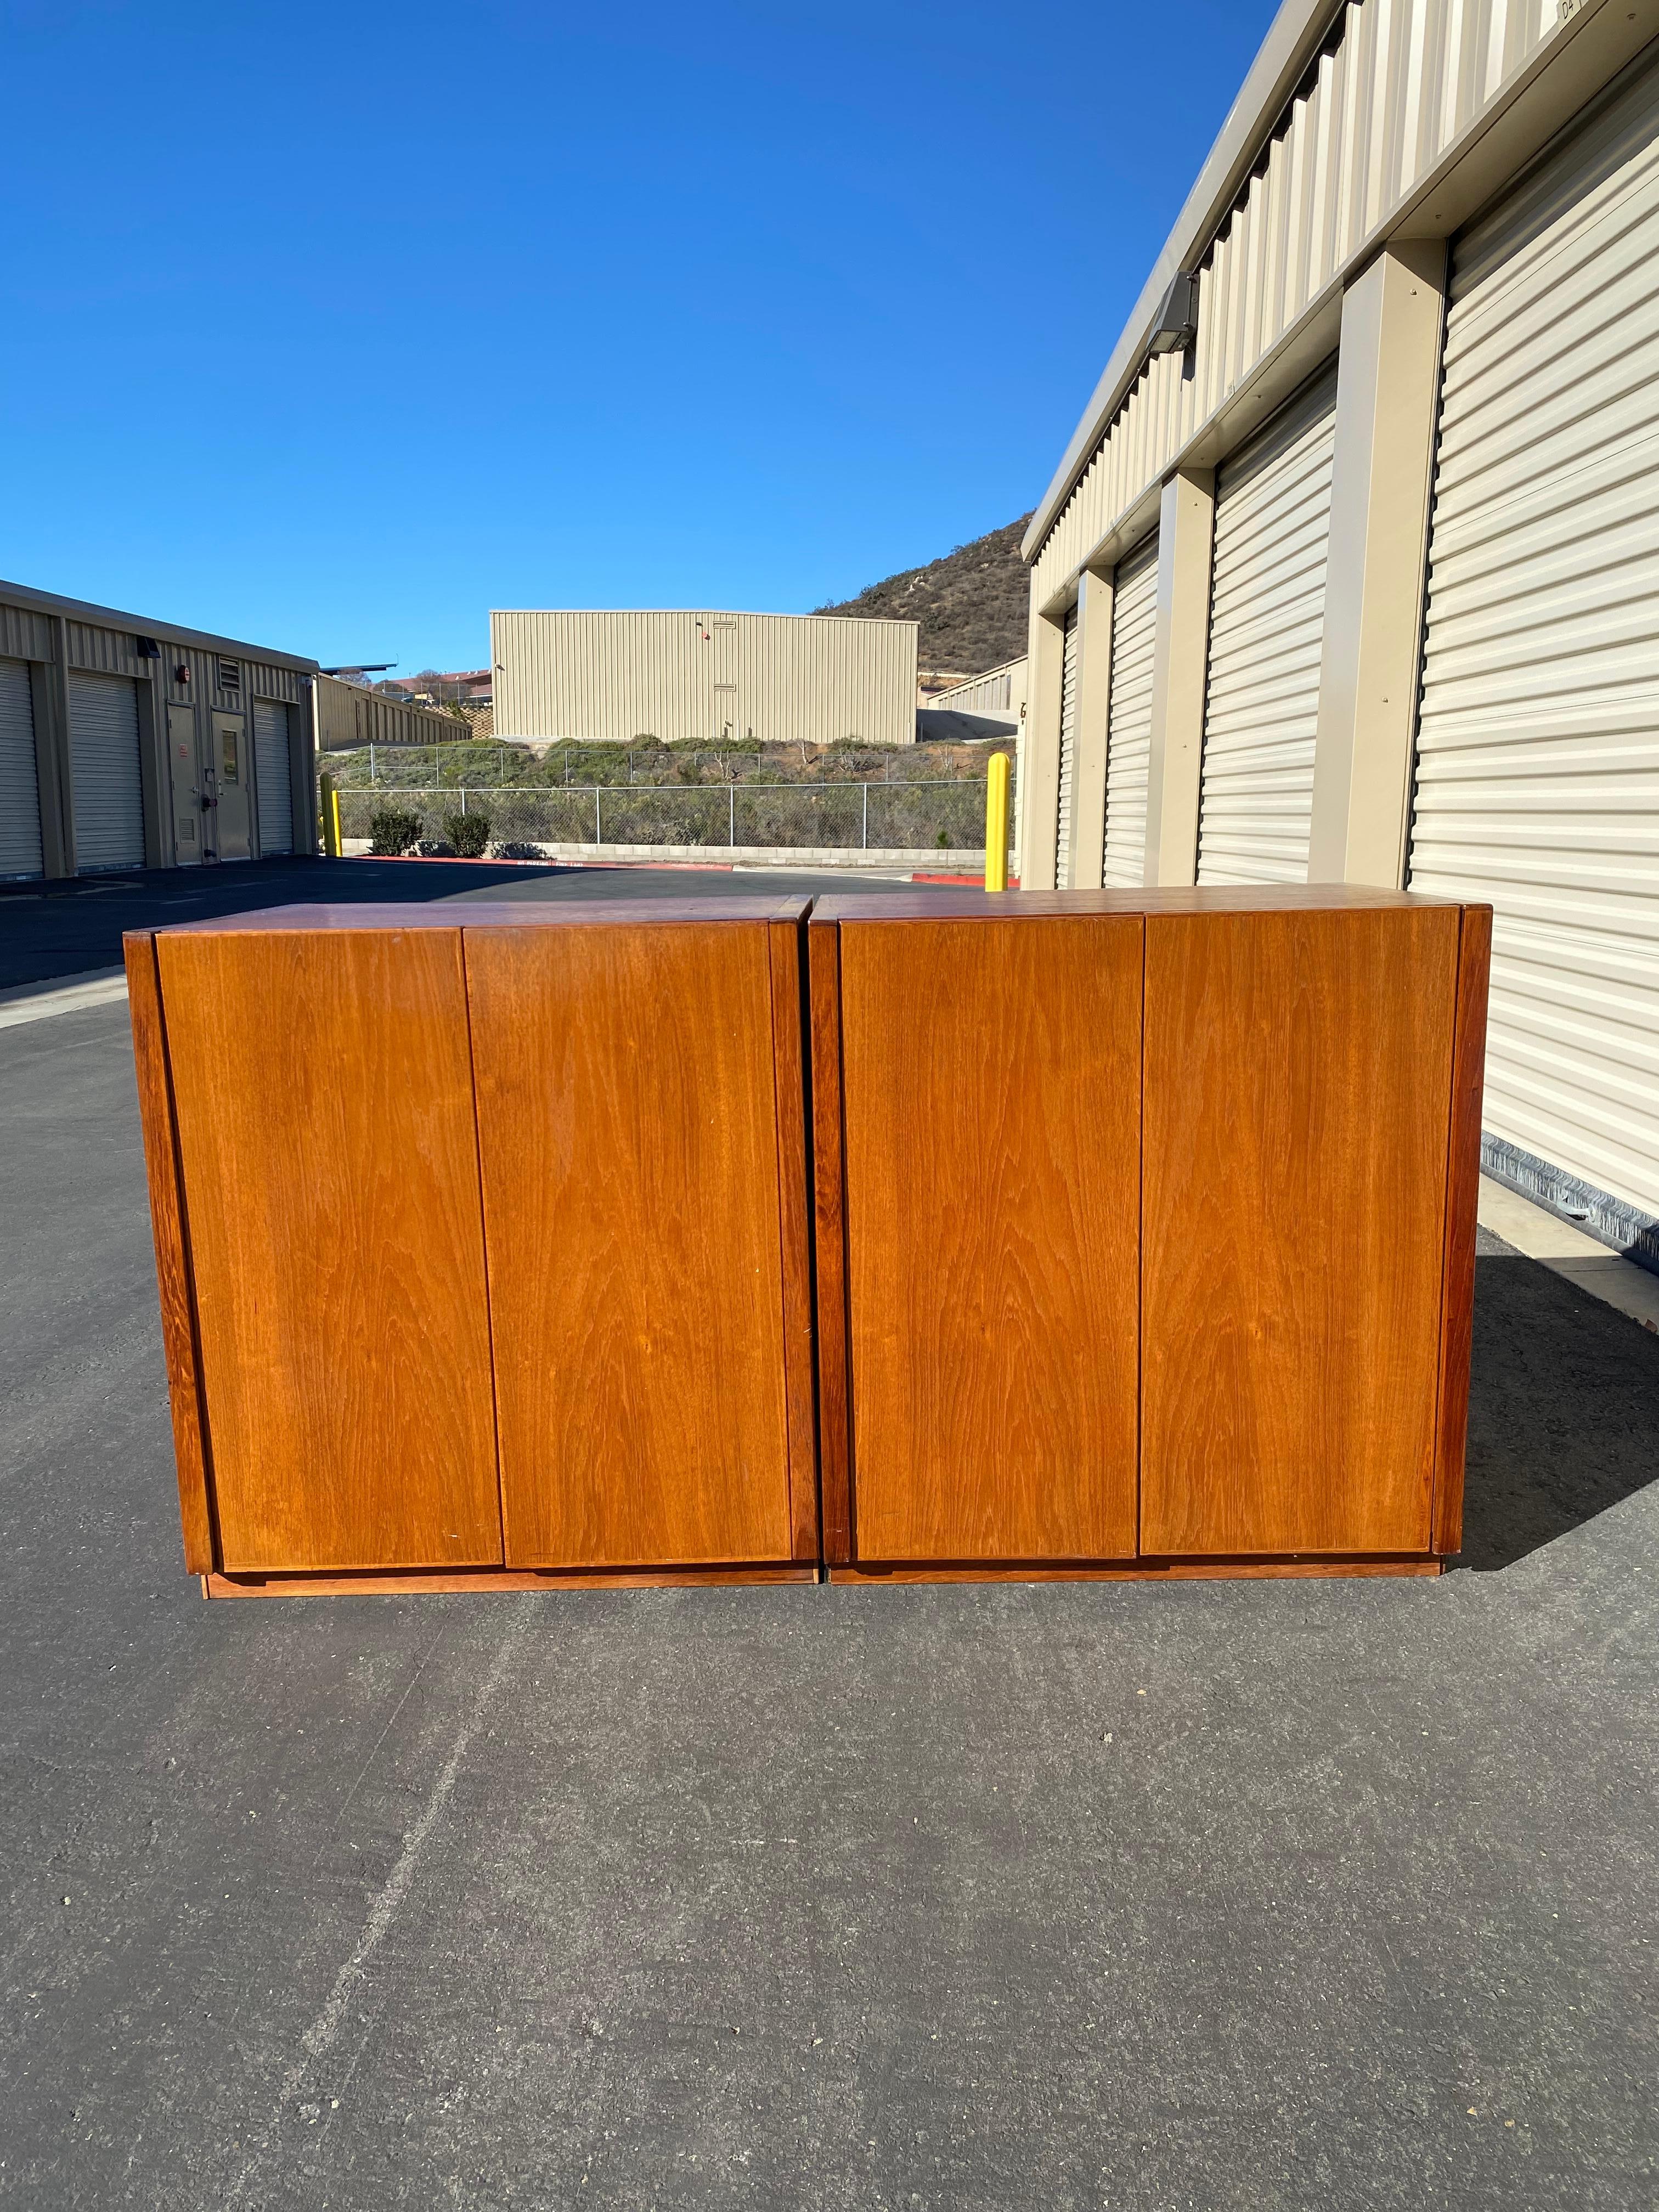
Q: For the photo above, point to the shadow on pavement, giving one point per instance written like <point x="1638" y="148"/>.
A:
<point x="1564" y="1410"/>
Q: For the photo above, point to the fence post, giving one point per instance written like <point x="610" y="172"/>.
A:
<point x="598" y="840"/>
<point x="866" y="818"/>
<point x="371" y="762"/>
<point x="731" y="818"/>
<point x="463" y="798"/>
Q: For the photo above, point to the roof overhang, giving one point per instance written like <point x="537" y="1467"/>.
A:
<point x="83" y="611"/>
<point x="1294" y="40"/>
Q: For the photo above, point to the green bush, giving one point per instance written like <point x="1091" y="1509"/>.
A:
<point x="468" y="833"/>
<point x="392" y="831"/>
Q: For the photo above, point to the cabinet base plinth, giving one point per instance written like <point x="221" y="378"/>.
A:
<point x="1138" y="1571"/>
<point x="481" y="1581"/>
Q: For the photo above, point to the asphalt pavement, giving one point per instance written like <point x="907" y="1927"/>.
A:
<point x="49" y="931"/>
<point x="1323" y="1894"/>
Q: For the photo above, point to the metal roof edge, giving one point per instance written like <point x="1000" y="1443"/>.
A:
<point x="51" y="603"/>
<point x="749" y="614"/>
<point x="1293" y="39"/>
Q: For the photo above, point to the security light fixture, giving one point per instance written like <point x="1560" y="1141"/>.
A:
<point x="1177" y="325"/>
<point x="181" y="673"/>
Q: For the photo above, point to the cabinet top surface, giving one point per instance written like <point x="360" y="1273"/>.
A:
<point x="376" y="918"/>
<point x="1036" y="906"/>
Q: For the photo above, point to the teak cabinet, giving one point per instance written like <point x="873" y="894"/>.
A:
<point x="1144" y="1229"/>
<point x="482" y="1241"/>
<point x="1091" y="1233"/>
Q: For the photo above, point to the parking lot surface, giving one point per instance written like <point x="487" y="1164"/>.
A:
<point x="1319" y="1893"/>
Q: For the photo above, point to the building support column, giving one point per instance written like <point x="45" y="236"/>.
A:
<point x="1386" y="408"/>
<point x="1094" y="693"/>
<point x="49" y="688"/>
<point x="1186" y="544"/>
<point x="1039" y="756"/>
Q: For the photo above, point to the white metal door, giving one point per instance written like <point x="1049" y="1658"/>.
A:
<point x="273" y="780"/>
<point x="20" y="787"/>
<point x="1067" y="746"/>
<point x="1538" y="749"/>
<point x="106" y="777"/>
<point x="1272" y="517"/>
<point x="1129" y="716"/>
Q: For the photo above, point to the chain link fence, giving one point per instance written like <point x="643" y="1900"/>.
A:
<point x="945" y="814"/>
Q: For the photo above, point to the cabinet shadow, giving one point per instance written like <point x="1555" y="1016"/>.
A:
<point x="1564" y="1410"/>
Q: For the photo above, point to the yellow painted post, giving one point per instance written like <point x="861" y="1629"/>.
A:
<point x="996" y="823"/>
<point x="330" y="813"/>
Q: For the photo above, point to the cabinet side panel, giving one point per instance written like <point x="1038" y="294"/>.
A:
<point x="627" y="1120"/>
<point x="326" y="1134"/>
<point x="166" y="1216"/>
<point x="992" y="1074"/>
<point x="794" y="1232"/>
<point x="1298" y="1071"/>
<point x="1462" y="1204"/>
<point x="830" y="1242"/>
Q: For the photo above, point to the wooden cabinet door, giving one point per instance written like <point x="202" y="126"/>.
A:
<point x="992" y="1074"/>
<point x="323" y="1097"/>
<point x="1297" y="1091"/>
<point x="628" y="1126"/>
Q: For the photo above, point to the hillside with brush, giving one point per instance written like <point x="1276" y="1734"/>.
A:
<point x="971" y="604"/>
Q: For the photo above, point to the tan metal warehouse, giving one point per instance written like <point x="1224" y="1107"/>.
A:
<point x="712" y="678"/>
<point x="131" y="744"/>
<point x="1351" y="570"/>
<point x="349" y="716"/>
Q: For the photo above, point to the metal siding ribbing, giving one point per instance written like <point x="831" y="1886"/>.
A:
<point x="1538" y="764"/>
<point x="1129" y="716"/>
<point x="273" y="778"/>
<point x="107" y="778"/>
<point x="1400" y="81"/>
<point x="624" y="675"/>
<point x="1067" y="745"/>
<point x="20" y="789"/>
<point x="1266" y="622"/>
<point x="992" y="693"/>
<point x="348" y="715"/>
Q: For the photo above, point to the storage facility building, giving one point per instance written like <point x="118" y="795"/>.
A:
<point x="126" y="742"/>
<point x="349" y="714"/>
<point x="708" y="678"/>
<point x="1350" y="569"/>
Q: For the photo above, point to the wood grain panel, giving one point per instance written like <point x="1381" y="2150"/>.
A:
<point x="325" y="1107"/>
<point x="794" y="1229"/>
<point x="830" y="1242"/>
<point x="167" y="1215"/>
<point x="1298" y="1081"/>
<point x="627" y="1110"/>
<point x="1146" y="1571"/>
<point x="991" y="1074"/>
<point x="1462" y="1203"/>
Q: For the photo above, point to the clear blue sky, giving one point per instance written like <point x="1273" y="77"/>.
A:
<point x="332" y="327"/>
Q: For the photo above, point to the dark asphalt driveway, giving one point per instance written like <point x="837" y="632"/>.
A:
<point x="1311" y="1895"/>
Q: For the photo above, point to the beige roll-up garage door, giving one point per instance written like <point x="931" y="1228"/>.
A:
<point x="20" y="788"/>
<point x="1067" y="747"/>
<point x="106" y="776"/>
<point x="1129" y="716"/>
<point x="1538" y="756"/>
<point x="1272" y="517"/>
<point x="272" y="776"/>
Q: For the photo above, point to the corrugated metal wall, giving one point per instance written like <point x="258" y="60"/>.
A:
<point x="1400" y="80"/>
<point x="1272" y="515"/>
<point x="1538" y="767"/>
<point x="1129" y="715"/>
<point x="1067" y="743"/>
<point x="349" y="716"/>
<point x="998" y="691"/>
<point x="669" y="676"/>
<point x="20" y="786"/>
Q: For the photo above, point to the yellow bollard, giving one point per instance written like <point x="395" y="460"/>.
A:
<point x="996" y="824"/>
<point x="329" y="809"/>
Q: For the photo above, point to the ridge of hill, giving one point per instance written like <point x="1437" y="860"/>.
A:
<point x="971" y="603"/>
